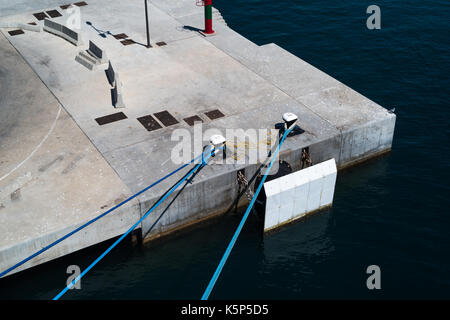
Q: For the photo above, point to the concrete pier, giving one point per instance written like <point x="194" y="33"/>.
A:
<point x="59" y="167"/>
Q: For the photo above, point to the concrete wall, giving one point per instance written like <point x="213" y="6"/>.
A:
<point x="216" y="194"/>
<point x="110" y="226"/>
<point x="196" y="202"/>
<point x="367" y="140"/>
<point x="110" y="74"/>
<point x="63" y="31"/>
<point x="117" y="95"/>
<point x="97" y="52"/>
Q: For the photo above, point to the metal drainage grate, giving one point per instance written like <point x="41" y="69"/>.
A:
<point x="40" y="15"/>
<point x="111" y="118"/>
<point x="166" y="118"/>
<point x="64" y="7"/>
<point x="214" y="114"/>
<point x="162" y="43"/>
<point x="149" y="123"/>
<point x="16" y="32"/>
<point x="120" y="36"/>
<point x="54" y="13"/>
<point x="127" y="42"/>
<point x="191" y="120"/>
<point x="80" y="4"/>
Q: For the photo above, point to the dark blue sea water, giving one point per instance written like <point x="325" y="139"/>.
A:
<point x="392" y="211"/>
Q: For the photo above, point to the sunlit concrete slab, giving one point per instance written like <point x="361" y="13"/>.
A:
<point x="8" y="7"/>
<point x="52" y="178"/>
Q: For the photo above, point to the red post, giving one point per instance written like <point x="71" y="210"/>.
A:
<point x="208" y="17"/>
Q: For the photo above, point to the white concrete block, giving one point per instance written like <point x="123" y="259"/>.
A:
<point x="329" y="182"/>
<point x="29" y="27"/>
<point x="272" y="190"/>
<point x="315" y="188"/>
<point x="286" y="212"/>
<point x="117" y="93"/>
<point x="287" y="194"/>
<point x="273" y="205"/>
<point x="301" y="195"/>
<point x="294" y="195"/>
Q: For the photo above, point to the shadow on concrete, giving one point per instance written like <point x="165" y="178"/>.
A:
<point x="295" y="131"/>
<point x="113" y="97"/>
<point x="101" y="33"/>
<point x="190" y="28"/>
<point x="142" y="44"/>
<point x="108" y="76"/>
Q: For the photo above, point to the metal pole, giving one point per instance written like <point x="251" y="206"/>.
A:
<point x="208" y="17"/>
<point x="146" y="21"/>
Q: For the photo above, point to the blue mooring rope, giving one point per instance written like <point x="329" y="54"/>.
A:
<point x="216" y="275"/>
<point x="204" y="162"/>
<point x="95" y="219"/>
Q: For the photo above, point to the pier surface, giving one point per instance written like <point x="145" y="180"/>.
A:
<point x="59" y="167"/>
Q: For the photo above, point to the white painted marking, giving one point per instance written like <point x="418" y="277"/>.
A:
<point x="37" y="147"/>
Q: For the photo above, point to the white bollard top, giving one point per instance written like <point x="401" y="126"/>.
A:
<point x="217" y="140"/>
<point x="289" y="117"/>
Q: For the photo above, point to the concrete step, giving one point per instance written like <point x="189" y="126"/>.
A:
<point x="85" y="62"/>
<point x="88" y="57"/>
<point x="233" y="43"/>
<point x="326" y="96"/>
<point x="274" y="61"/>
<point x="217" y="16"/>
